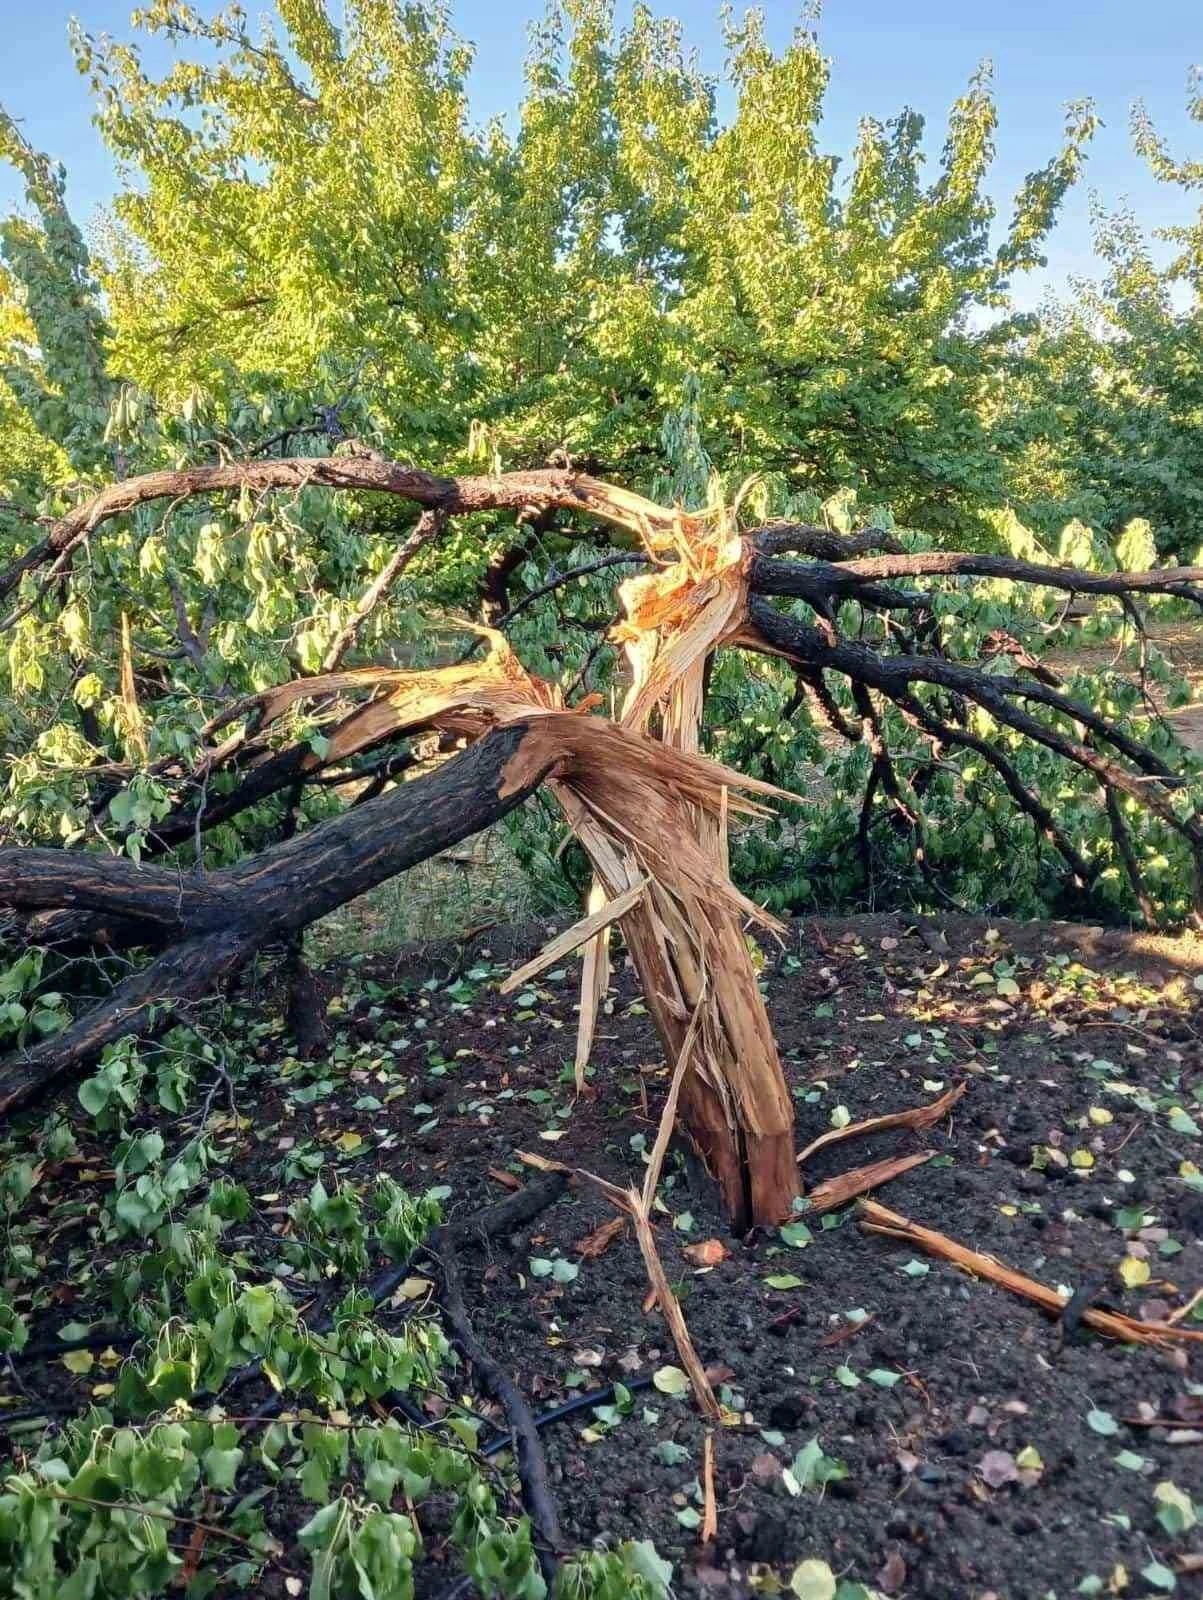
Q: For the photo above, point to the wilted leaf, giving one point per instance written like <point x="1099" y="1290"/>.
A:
<point x="670" y="1380"/>
<point x="1175" y="1509"/>
<point x="596" y="1244"/>
<point x="708" y="1253"/>
<point x="998" y="1467"/>
<point x="812" y="1580"/>
<point x="1134" y="1271"/>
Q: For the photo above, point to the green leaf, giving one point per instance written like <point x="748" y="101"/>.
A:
<point x="1158" y="1576"/>
<point x="797" y="1235"/>
<point x="671" y="1380"/>
<point x="93" y="1096"/>
<point x="221" y="1466"/>
<point x="1175" y="1509"/>
<point x="1102" y="1422"/>
<point x="671" y="1453"/>
<point x="812" y="1580"/>
<point x="641" y="1557"/>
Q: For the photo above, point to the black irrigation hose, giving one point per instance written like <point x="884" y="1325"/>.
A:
<point x="569" y="1408"/>
<point x="492" y="1377"/>
<point x="48" y="1348"/>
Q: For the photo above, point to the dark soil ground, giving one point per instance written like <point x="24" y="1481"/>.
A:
<point x="988" y="1451"/>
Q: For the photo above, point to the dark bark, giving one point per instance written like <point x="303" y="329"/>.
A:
<point x="936" y="563"/>
<point x="496" y="1381"/>
<point x="221" y="920"/>
<point x="779" y="538"/>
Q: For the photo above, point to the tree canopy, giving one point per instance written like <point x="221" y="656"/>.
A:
<point x="316" y="250"/>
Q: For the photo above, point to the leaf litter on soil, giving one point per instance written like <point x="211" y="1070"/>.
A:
<point x="974" y="1370"/>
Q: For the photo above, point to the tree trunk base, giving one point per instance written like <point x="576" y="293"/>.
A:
<point x="756" y="1173"/>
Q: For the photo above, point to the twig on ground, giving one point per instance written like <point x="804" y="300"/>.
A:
<point x="877" y="1219"/>
<point x="916" y="1117"/>
<point x="709" y="1507"/>
<point x="638" y="1207"/>
<point x="569" y="1408"/>
<point x="531" y="1462"/>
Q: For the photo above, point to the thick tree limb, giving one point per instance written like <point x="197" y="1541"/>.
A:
<point x="944" y="563"/>
<point x="223" y="919"/>
<point x="512" y="491"/>
<point x="776" y="538"/>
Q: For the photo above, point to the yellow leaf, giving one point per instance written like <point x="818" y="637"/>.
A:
<point x="1029" y="1458"/>
<point x="103" y="1390"/>
<point x="1134" y="1271"/>
<point x="1100" y="1116"/>
<point x="414" y="1288"/>
<point x="1082" y="1159"/>
<point x="78" y="1360"/>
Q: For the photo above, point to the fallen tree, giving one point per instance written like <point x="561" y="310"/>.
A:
<point x="649" y="810"/>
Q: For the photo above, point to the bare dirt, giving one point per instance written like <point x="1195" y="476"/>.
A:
<point x="984" y="1449"/>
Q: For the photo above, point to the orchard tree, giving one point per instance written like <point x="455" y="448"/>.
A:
<point x="313" y="197"/>
<point x="1109" y="392"/>
<point x="244" y="673"/>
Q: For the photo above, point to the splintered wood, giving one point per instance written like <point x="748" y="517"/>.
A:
<point x="877" y="1219"/>
<point x="651" y="814"/>
<point x="689" y="947"/>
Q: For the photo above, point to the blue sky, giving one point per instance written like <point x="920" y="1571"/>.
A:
<point x="885" y="54"/>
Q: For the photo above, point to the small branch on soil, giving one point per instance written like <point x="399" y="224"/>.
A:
<point x="709" y="1505"/>
<point x="569" y="1408"/>
<point x="917" y="1117"/>
<point x="877" y="1219"/>
<point x="638" y="1207"/>
<point x="492" y="1377"/>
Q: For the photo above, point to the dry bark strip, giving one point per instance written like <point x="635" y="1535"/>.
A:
<point x="837" y="1191"/>
<point x="878" y="1219"/>
<point x="915" y="1117"/>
